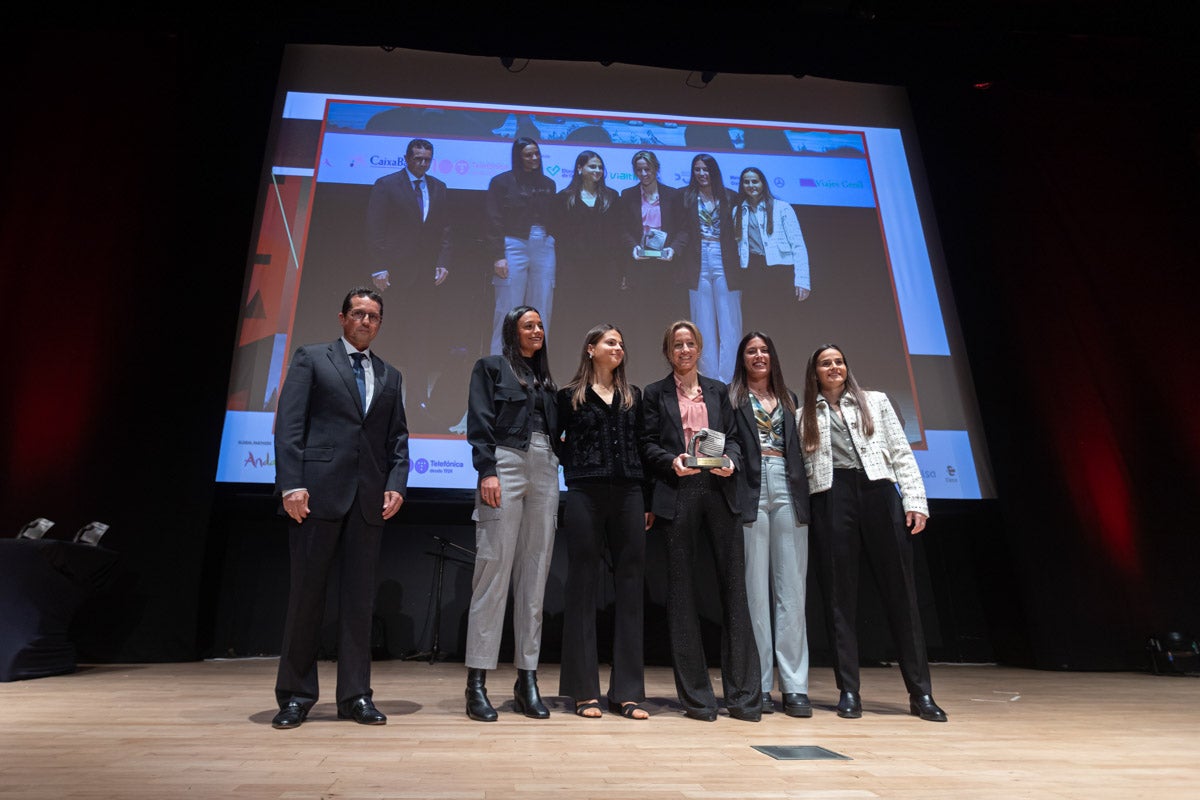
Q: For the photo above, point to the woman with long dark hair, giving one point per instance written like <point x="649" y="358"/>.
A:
<point x="519" y="212"/>
<point x="587" y="236"/>
<point x="774" y="502"/>
<point x="512" y="427"/>
<point x="855" y="456"/>
<point x="601" y="416"/>
<point x="772" y="254"/>
<point x="699" y="508"/>
<point x="710" y="266"/>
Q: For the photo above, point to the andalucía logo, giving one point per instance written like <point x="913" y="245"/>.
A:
<point x="254" y="461"/>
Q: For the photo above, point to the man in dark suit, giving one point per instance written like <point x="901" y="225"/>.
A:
<point x="341" y="467"/>
<point x="408" y="243"/>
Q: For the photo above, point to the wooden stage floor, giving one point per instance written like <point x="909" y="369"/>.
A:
<point x="202" y="730"/>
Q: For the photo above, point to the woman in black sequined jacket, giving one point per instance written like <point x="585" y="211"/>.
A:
<point x="607" y="507"/>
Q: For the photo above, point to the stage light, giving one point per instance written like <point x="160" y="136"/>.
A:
<point x="1174" y="653"/>
<point x="91" y="533"/>
<point x="35" y="529"/>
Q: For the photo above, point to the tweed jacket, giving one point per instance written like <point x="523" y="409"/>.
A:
<point x="785" y="245"/>
<point x="886" y="454"/>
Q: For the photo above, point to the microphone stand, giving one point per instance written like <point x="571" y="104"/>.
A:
<point x="434" y="654"/>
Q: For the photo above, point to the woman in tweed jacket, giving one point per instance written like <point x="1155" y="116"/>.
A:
<point x="855" y="457"/>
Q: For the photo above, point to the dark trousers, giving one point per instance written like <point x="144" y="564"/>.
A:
<point x="315" y="545"/>
<point x="768" y="293"/>
<point x="600" y="515"/>
<point x="859" y="515"/>
<point x="701" y="513"/>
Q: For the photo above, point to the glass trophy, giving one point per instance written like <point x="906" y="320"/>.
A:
<point x="653" y="242"/>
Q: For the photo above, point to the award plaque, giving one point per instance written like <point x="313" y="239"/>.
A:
<point x="653" y="242"/>
<point x="706" y="450"/>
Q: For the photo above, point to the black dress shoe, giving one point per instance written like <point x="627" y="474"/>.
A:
<point x="922" y="705"/>
<point x="849" y="706"/>
<point x="768" y="705"/>
<point x="796" y="704"/>
<point x="362" y="711"/>
<point x="702" y="714"/>
<point x="290" y="716"/>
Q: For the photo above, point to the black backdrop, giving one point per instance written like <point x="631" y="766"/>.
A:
<point x="1066" y="196"/>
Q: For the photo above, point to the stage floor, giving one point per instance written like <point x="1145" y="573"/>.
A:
<point x="202" y="730"/>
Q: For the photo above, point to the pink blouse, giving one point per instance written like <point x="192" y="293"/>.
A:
<point x="692" y="411"/>
<point x="651" y="213"/>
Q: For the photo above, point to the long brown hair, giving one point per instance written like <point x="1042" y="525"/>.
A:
<point x="812" y="391"/>
<point x="742" y="197"/>
<point x="585" y="376"/>
<point x="739" y="390"/>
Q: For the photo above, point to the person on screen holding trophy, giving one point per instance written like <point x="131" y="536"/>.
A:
<point x="691" y="447"/>
<point x="655" y="236"/>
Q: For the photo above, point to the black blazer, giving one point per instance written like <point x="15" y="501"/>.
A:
<point x="397" y="239"/>
<point x="689" y="267"/>
<point x="750" y="477"/>
<point x="324" y="444"/>
<point x="499" y="410"/>
<point x="514" y="204"/>
<point x="663" y="439"/>
<point x="673" y="223"/>
<point x="588" y="244"/>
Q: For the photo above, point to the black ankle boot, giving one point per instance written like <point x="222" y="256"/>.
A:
<point x="478" y="706"/>
<point x="525" y="695"/>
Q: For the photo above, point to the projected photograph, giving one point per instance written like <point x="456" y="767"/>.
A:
<point x="456" y="211"/>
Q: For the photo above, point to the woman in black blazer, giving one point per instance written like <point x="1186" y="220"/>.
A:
<point x="588" y="245"/>
<point x="773" y="493"/>
<point x="695" y="508"/>
<point x="653" y="211"/>
<point x="601" y="415"/>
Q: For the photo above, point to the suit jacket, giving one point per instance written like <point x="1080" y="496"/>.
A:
<point x="750" y="476"/>
<point x="673" y="223"/>
<point x="397" y="239"/>
<point x="663" y="439"/>
<point x="324" y="443"/>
